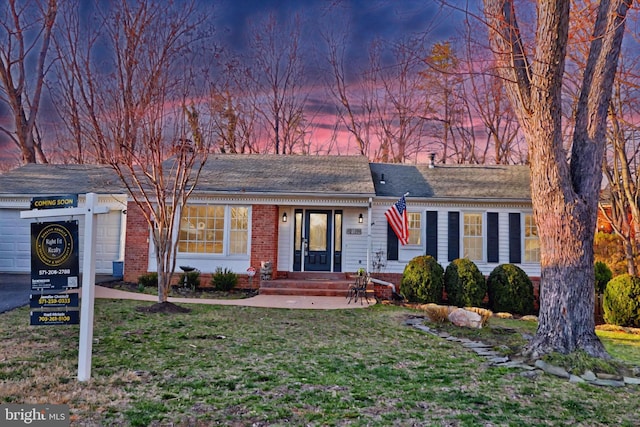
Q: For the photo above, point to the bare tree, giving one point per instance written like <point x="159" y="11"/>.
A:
<point x="444" y="84"/>
<point x="25" y="35"/>
<point x="278" y="76"/>
<point x="350" y="109"/>
<point x="399" y="103"/>
<point x="137" y="109"/>
<point x="620" y="166"/>
<point x="564" y="192"/>
<point x="486" y="105"/>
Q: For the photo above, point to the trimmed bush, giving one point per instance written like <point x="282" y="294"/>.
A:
<point x="224" y="280"/>
<point x="192" y="280"/>
<point x="464" y="283"/>
<point x="621" y="302"/>
<point x="603" y="276"/>
<point x="422" y="280"/>
<point x="510" y="290"/>
<point x="148" y="280"/>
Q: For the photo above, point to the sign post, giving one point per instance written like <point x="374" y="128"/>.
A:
<point x="90" y="211"/>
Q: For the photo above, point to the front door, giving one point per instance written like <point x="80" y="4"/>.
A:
<point x="313" y="243"/>
<point x="317" y="236"/>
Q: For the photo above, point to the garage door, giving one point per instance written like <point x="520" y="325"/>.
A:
<point x="15" y="242"/>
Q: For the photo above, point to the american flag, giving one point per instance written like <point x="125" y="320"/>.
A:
<point x="397" y="217"/>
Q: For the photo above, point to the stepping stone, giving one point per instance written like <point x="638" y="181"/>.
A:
<point x="551" y="369"/>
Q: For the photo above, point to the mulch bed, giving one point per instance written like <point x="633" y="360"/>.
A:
<point x="163" y="307"/>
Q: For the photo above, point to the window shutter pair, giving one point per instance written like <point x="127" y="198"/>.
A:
<point x="453" y="238"/>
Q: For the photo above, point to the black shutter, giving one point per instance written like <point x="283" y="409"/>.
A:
<point x="432" y="234"/>
<point x="454" y="236"/>
<point x="515" y="255"/>
<point x="392" y="244"/>
<point x="492" y="237"/>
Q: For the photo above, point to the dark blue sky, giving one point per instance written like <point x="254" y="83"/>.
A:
<point x="365" y="20"/>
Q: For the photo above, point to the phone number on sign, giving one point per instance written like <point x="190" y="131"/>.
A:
<point x="54" y="272"/>
<point x="46" y="319"/>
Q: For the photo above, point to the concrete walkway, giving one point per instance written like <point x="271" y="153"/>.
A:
<point x="266" y="301"/>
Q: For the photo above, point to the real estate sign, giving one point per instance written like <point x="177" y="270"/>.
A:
<point x="54" y="255"/>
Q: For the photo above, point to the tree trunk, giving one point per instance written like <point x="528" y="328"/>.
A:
<point x="567" y="288"/>
<point x="564" y="194"/>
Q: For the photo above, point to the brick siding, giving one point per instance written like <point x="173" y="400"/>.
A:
<point x="136" y="258"/>
<point x="264" y="238"/>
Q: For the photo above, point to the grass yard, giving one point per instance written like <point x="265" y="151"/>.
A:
<point x="238" y="366"/>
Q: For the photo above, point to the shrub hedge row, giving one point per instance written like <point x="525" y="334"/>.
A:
<point x="509" y="288"/>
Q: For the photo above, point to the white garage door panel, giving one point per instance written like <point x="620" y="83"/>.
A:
<point x="15" y="242"/>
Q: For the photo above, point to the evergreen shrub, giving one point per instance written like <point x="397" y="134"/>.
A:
<point x="621" y="304"/>
<point x="510" y="290"/>
<point x="603" y="276"/>
<point x="464" y="283"/>
<point x="422" y="280"/>
<point x="148" y="280"/>
<point x="224" y="280"/>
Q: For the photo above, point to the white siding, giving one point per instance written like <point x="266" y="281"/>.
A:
<point x="285" y="240"/>
<point x="406" y="253"/>
<point x="354" y="246"/>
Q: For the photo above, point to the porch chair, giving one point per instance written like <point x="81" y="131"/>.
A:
<point x="358" y="290"/>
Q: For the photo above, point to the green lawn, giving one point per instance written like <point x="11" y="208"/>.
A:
<point x="248" y="366"/>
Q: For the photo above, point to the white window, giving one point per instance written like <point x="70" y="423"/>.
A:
<point x="531" y="240"/>
<point x="214" y="229"/>
<point x="414" y="220"/>
<point x="472" y="238"/>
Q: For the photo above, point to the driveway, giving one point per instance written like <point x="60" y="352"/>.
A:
<point x="14" y="291"/>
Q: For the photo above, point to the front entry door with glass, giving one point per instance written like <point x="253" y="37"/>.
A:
<point x="314" y="245"/>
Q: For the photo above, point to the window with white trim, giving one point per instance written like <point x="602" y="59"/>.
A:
<point x="472" y="238"/>
<point x="414" y="219"/>
<point x="214" y="229"/>
<point x="531" y="240"/>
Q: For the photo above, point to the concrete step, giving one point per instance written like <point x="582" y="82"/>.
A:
<point x="305" y="284"/>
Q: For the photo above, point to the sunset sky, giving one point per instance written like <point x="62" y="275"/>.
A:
<point x="363" y="20"/>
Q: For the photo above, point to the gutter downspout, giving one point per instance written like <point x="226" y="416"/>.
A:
<point x="382" y="282"/>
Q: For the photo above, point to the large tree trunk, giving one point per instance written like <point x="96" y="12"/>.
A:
<point x="567" y="291"/>
<point x="564" y="193"/>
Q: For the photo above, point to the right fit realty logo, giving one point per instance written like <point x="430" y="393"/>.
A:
<point x="34" y="415"/>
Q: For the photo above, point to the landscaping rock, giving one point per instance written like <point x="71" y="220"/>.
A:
<point x="608" y="383"/>
<point x="551" y="369"/>
<point x="576" y="379"/>
<point x="631" y="380"/>
<point x="465" y="318"/>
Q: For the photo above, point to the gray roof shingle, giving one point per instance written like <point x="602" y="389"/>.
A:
<point x="269" y="173"/>
<point x="51" y="179"/>
<point x="312" y="175"/>
<point x="497" y="182"/>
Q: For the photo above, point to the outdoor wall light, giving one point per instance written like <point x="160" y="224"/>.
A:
<point x="360" y="219"/>
<point x="284" y="217"/>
